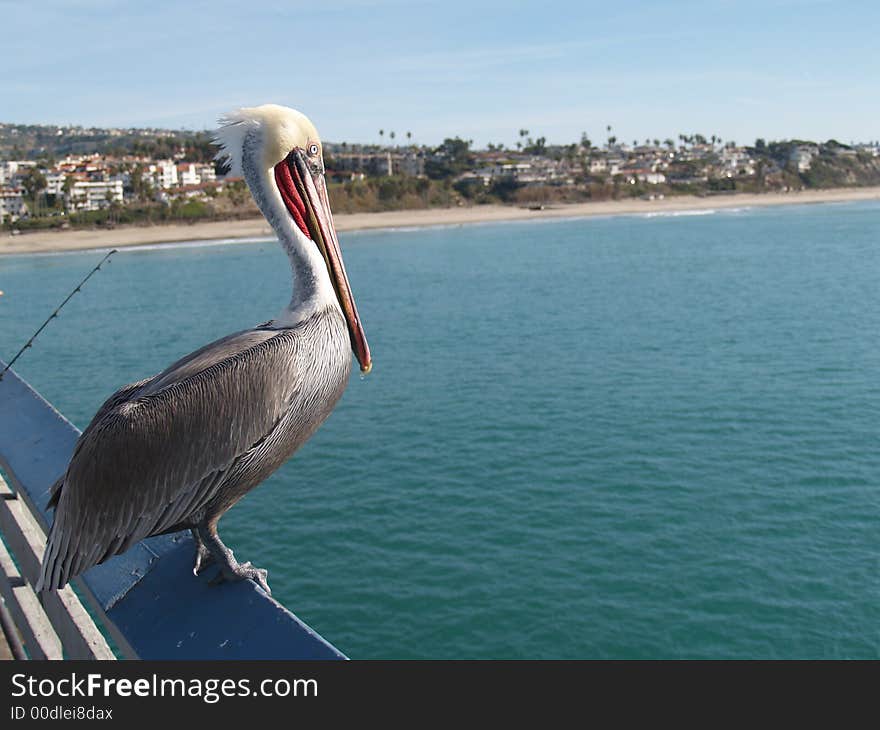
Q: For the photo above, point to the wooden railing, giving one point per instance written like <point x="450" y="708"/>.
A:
<point x="58" y="627"/>
<point x="147" y="602"/>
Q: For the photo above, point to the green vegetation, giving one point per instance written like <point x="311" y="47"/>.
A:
<point x="453" y="173"/>
<point x="33" y="141"/>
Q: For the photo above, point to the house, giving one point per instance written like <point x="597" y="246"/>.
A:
<point x="12" y="205"/>
<point x="736" y="161"/>
<point x="11" y="169"/>
<point x="190" y="173"/>
<point x="206" y="173"/>
<point x="55" y="183"/>
<point x="802" y="156"/>
<point x="187" y="174"/>
<point x="409" y="164"/>
<point x="651" y="177"/>
<point x="91" y="195"/>
<point x="164" y="174"/>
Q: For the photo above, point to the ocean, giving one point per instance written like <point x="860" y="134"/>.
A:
<point x="629" y="437"/>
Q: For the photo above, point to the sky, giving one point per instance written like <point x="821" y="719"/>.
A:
<point x="807" y="69"/>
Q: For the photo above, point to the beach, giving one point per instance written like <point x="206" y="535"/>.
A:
<point x="256" y="228"/>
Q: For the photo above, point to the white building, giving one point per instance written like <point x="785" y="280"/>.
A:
<point x="11" y="169"/>
<point x="802" y="156"/>
<point x="206" y="173"/>
<point x="164" y="174"/>
<point x="12" y="205"/>
<point x="95" y="195"/>
<point x="735" y="160"/>
<point x="55" y="183"/>
<point x="652" y="178"/>
<point x="187" y="174"/>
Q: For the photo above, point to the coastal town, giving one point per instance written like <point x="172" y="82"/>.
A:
<point x="62" y="177"/>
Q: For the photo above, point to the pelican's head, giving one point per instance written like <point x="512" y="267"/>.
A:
<point x="286" y="142"/>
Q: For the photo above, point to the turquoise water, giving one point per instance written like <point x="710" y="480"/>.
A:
<point x="625" y="437"/>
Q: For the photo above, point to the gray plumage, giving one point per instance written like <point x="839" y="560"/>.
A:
<point x="177" y="450"/>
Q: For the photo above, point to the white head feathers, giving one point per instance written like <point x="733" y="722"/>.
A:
<point x="282" y="129"/>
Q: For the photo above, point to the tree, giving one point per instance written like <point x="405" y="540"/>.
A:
<point x="538" y="147"/>
<point x="140" y="185"/>
<point x="34" y="182"/>
<point x="449" y="159"/>
<point x="67" y="189"/>
<point x="381" y="136"/>
<point x="392" y="136"/>
<point x="760" y="145"/>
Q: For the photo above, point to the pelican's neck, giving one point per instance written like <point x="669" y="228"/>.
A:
<point x="312" y="289"/>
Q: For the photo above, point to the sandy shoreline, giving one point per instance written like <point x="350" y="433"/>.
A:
<point x="54" y="241"/>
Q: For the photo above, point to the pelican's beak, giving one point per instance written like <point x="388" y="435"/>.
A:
<point x="304" y="192"/>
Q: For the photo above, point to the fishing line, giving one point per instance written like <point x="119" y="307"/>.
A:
<point x="55" y="313"/>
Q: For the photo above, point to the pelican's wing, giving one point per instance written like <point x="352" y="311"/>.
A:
<point x="120" y="396"/>
<point x="157" y="456"/>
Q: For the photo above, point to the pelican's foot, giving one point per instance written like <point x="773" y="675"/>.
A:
<point x="204" y="557"/>
<point x="243" y="571"/>
<point x="230" y="569"/>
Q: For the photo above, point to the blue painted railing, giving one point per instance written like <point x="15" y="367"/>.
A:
<point x="148" y="598"/>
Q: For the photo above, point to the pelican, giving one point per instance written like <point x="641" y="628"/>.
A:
<point x="177" y="450"/>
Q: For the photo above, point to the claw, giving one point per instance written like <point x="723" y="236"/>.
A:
<point x="230" y="569"/>
<point x="204" y="557"/>
<point x="243" y="572"/>
<point x="260" y="576"/>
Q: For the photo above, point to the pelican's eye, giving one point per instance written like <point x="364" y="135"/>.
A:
<point x="313" y="149"/>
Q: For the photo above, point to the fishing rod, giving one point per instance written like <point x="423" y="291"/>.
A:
<point x="55" y="313"/>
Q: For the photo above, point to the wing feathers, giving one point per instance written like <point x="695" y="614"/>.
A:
<point x="171" y="440"/>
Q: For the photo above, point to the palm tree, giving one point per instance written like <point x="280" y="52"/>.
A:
<point x="67" y="188"/>
<point x="381" y="136"/>
<point x="391" y="135"/>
